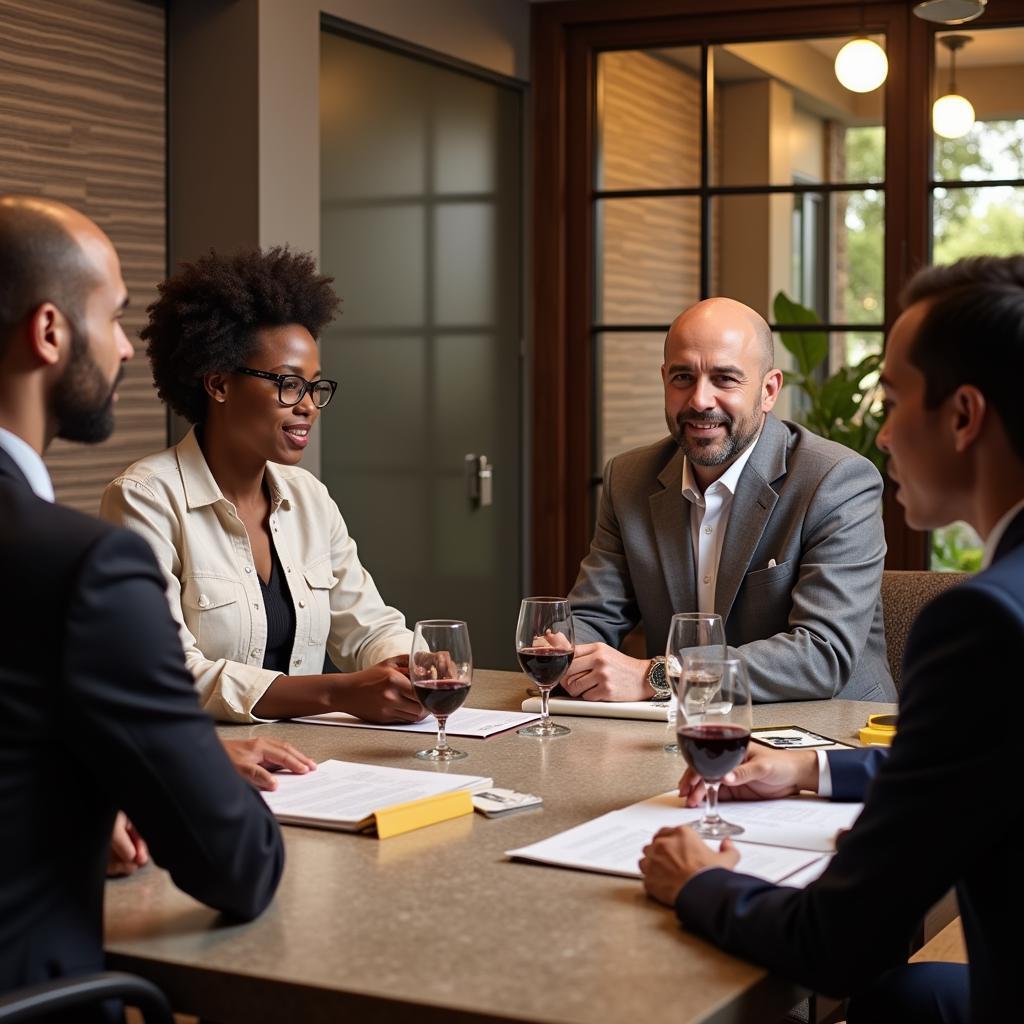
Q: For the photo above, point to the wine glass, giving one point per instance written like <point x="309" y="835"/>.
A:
<point x="441" y="671"/>
<point x="544" y="646"/>
<point x="695" y="634"/>
<point x="714" y="729"/>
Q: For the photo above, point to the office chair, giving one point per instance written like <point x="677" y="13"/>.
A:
<point x="904" y="594"/>
<point x="64" y="994"/>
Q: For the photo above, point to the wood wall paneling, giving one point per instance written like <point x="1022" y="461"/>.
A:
<point x="82" y="120"/>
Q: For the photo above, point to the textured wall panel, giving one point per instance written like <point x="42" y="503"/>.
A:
<point x="82" y="119"/>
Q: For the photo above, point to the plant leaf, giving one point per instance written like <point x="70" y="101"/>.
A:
<point x="809" y="348"/>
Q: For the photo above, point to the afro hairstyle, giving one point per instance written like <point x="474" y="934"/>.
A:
<point x="208" y="313"/>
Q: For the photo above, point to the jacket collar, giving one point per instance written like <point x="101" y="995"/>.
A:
<point x="1012" y="536"/>
<point x="752" y="506"/>
<point x="201" y="489"/>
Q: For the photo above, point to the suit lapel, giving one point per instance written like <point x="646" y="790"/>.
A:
<point x="9" y="468"/>
<point x="752" y="507"/>
<point x="670" y="515"/>
<point x="1012" y="538"/>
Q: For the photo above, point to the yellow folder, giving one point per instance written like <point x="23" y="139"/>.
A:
<point x="428" y="810"/>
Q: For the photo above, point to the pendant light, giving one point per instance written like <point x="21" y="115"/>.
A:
<point x="950" y="12"/>
<point x="861" y="65"/>
<point x="952" y="114"/>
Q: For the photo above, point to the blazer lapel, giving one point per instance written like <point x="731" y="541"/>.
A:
<point x="752" y="506"/>
<point x="670" y="515"/>
<point x="1012" y="538"/>
<point x="8" y="467"/>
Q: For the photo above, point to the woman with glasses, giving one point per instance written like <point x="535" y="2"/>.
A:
<point x="261" y="572"/>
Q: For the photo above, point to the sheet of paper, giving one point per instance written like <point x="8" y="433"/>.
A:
<point x="343" y="792"/>
<point x="477" y="723"/>
<point x="651" y="711"/>
<point x="805" y="823"/>
<point x="613" y="844"/>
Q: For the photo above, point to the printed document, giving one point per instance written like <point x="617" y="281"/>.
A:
<point x="344" y="795"/>
<point x="784" y="840"/>
<point x="477" y="723"/>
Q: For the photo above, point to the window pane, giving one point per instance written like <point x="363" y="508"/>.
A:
<point x="990" y="76"/>
<point x="781" y="116"/>
<point x="956" y="548"/>
<point x="825" y="251"/>
<point x="648" y="255"/>
<point x="648" y="119"/>
<point x="977" y="221"/>
<point x="630" y="398"/>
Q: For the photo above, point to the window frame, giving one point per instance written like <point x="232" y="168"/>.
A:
<point x="566" y="38"/>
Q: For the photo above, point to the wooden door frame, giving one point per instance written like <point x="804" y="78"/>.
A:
<point x="566" y="36"/>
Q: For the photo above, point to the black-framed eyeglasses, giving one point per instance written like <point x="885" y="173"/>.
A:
<point x="291" y="387"/>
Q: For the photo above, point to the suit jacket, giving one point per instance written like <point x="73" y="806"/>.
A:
<point x="808" y="627"/>
<point x="98" y="712"/>
<point x="943" y="809"/>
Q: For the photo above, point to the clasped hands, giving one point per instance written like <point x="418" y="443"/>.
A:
<point x="675" y="855"/>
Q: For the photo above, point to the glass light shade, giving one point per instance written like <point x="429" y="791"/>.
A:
<point x="952" y="116"/>
<point x="861" y="65"/>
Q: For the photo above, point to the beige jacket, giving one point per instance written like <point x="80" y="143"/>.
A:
<point x="172" y="500"/>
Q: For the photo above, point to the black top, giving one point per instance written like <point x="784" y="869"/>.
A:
<point x="277" y="602"/>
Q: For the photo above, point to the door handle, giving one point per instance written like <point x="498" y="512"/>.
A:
<point x="479" y="480"/>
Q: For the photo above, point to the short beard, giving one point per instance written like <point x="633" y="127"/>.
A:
<point x="83" y="399"/>
<point x="738" y="437"/>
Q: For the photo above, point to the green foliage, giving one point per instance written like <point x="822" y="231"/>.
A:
<point x="953" y="548"/>
<point x="843" y="406"/>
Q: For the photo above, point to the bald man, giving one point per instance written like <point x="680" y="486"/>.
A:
<point x="738" y="512"/>
<point x="97" y="709"/>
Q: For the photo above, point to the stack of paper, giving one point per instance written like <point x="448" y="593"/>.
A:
<point x="784" y="840"/>
<point x="347" y="796"/>
<point x="647" y="710"/>
<point x="474" y="722"/>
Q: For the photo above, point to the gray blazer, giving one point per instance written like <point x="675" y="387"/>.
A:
<point x="809" y="627"/>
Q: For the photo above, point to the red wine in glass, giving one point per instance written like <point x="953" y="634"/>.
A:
<point x="544" y="665"/>
<point x="713" y="726"/>
<point x="713" y="751"/>
<point x="545" y="648"/>
<point x="441" y="671"/>
<point x="441" y="696"/>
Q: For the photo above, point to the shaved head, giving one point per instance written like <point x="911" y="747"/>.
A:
<point x="719" y="315"/>
<point x="47" y="254"/>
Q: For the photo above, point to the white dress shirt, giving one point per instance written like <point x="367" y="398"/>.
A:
<point x="709" y="519"/>
<point x="997" y="531"/>
<point x="29" y="461"/>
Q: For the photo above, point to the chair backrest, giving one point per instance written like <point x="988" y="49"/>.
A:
<point x="904" y="594"/>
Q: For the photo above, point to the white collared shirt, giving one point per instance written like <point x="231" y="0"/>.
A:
<point x="29" y="461"/>
<point x="997" y="531"/>
<point x="709" y="519"/>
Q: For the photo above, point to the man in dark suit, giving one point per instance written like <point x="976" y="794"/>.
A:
<point x="776" y="529"/>
<point x="97" y="709"/>
<point x="939" y="810"/>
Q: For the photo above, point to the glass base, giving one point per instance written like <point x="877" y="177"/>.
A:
<point x="716" y="829"/>
<point x="671" y="748"/>
<point x="544" y="729"/>
<point x="439" y="756"/>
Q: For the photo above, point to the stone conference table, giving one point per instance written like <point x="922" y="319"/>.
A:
<point x="438" y="924"/>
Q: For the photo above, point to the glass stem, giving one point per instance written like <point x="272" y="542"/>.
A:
<point x="545" y="693"/>
<point x="711" y="804"/>
<point x="442" y="740"/>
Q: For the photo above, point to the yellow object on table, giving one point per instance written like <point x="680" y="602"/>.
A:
<point x="399" y="818"/>
<point x="880" y="730"/>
